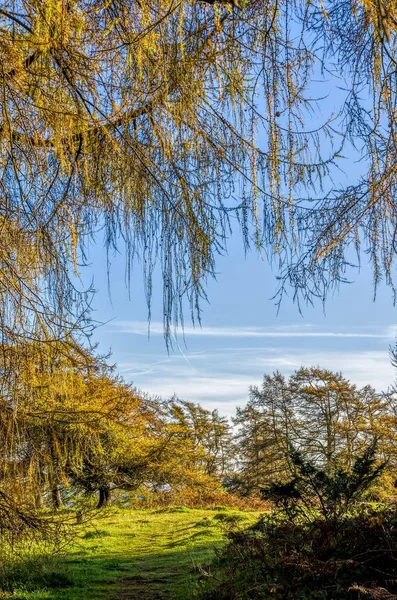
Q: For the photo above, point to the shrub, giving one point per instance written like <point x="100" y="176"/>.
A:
<point x="321" y="560"/>
<point x="323" y="543"/>
<point x="328" y="492"/>
<point x="96" y="533"/>
<point x="206" y="522"/>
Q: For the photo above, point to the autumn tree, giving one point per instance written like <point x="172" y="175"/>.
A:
<point x="315" y="412"/>
<point x="70" y="422"/>
<point x="205" y="434"/>
<point x="265" y="428"/>
<point x="33" y="411"/>
<point x="125" y="449"/>
<point x="197" y="452"/>
<point x="333" y="414"/>
<point x="156" y="122"/>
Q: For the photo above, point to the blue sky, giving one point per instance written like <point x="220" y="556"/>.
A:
<point x="242" y="336"/>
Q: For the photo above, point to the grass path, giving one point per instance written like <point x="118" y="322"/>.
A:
<point x="136" y="555"/>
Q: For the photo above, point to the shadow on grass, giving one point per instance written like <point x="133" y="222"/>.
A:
<point x="168" y="575"/>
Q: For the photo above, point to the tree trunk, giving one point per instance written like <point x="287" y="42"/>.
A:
<point x="56" y="498"/>
<point x="38" y="491"/>
<point x="38" y="499"/>
<point x="104" y="497"/>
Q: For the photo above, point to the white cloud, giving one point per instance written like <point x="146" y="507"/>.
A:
<point x="221" y="378"/>
<point x="285" y="331"/>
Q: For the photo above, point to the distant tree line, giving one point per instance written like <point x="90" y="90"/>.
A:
<point x="319" y="413"/>
<point x="76" y="431"/>
<point x="323" y="453"/>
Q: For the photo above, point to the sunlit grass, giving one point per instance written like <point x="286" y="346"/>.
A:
<point x="128" y="554"/>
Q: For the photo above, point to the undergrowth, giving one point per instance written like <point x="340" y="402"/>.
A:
<point x="322" y="560"/>
<point x="324" y="541"/>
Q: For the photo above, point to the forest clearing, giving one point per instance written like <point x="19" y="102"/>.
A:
<point x="130" y="554"/>
<point x="156" y="155"/>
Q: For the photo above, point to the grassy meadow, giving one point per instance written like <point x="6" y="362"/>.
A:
<point x="128" y="554"/>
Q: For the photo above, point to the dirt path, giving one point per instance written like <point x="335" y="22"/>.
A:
<point x="171" y="548"/>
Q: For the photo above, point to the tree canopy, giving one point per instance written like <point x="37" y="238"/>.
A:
<point x="163" y="126"/>
<point x="318" y="413"/>
<point x="157" y="122"/>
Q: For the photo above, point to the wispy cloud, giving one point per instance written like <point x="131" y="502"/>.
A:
<point x="289" y="331"/>
<point x="221" y="378"/>
<point x="218" y="364"/>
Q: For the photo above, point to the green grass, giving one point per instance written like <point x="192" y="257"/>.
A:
<point x="130" y="555"/>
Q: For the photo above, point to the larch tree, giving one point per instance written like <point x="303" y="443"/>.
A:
<point x="41" y="396"/>
<point x="206" y="435"/>
<point x="156" y="122"/>
<point x="159" y="124"/>
<point x="70" y="424"/>
<point x="266" y="428"/>
<point x="317" y="413"/>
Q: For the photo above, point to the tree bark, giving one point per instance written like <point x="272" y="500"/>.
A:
<point x="56" y="497"/>
<point x="104" y="497"/>
<point x="38" y="499"/>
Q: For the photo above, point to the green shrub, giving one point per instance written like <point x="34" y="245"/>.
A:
<point x="205" y="522"/>
<point x="329" y="492"/>
<point x="323" y="543"/>
<point x="228" y="518"/>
